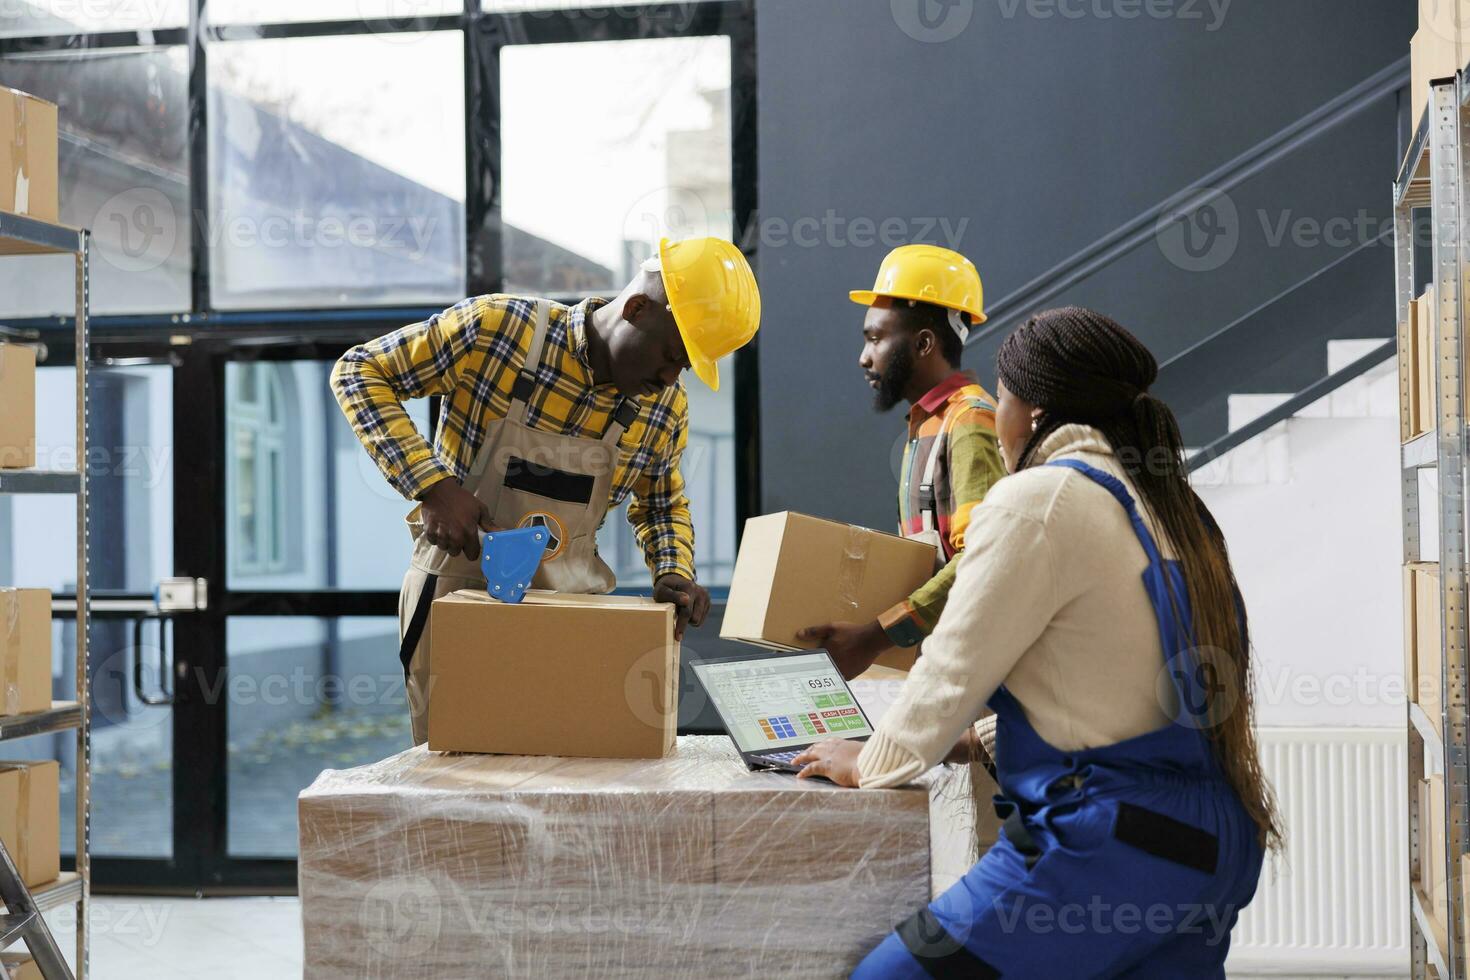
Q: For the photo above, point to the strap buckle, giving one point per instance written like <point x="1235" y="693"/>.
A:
<point x="525" y="384"/>
<point x="626" y="413"/>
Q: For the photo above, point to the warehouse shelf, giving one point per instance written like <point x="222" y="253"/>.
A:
<point x="1431" y="929"/>
<point x="21" y="235"/>
<point x="1433" y="175"/>
<point x="66" y="890"/>
<point x="39" y="481"/>
<point x="1425" y="728"/>
<point x="1421" y="451"/>
<point x="62" y="715"/>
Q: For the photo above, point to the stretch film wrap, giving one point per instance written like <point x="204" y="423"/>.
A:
<point x="437" y="865"/>
<point x="10" y="653"/>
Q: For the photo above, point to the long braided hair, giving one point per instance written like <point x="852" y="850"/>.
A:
<point x="1079" y="366"/>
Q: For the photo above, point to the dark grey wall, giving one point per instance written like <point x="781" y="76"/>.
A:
<point x="1043" y="133"/>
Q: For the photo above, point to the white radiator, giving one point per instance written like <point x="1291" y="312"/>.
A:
<point x="1337" y="902"/>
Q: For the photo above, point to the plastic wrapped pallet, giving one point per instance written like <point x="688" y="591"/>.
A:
<point x="434" y="865"/>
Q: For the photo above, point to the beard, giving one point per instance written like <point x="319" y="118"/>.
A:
<point x="894" y="380"/>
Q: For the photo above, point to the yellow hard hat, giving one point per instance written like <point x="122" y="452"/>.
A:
<point x="929" y="274"/>
<point x="714" y="298"/>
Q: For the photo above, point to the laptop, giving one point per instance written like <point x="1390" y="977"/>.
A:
<point x="774" y="707"/>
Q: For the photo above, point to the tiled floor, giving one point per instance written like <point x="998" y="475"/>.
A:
<point x="146" y="938"/>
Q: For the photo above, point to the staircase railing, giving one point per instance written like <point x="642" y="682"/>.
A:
<point x="1317" y="390"/>
<point x="1141" y="228"/>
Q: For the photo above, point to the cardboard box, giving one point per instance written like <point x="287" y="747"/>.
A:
<point x="30" y="818"/>
<point x="1408" y="364"/>
<point x="1432" y="847"/>
<point x="28" y="155"/>
<point x="563" y="675"/>
<point x="795" y="571"/>
<point x="1411" y="669"/>
<point x="17" y="406"/>
<point x="1425" y="318"/>
<point x="1428" y="653"/>
<point x="25" y="651"/>
<point x="1434" y="53"/>
<point x="507" y="866"/>
<point x="20" y="966"/>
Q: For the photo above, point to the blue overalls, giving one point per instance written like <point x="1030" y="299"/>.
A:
<point x="1131" y="860"/>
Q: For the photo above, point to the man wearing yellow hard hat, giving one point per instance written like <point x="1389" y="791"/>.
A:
<point x="920" y="312"/>
<point x="552" y="415"/>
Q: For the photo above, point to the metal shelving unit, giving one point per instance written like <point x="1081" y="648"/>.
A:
<point x="1433" y="175"/>
<point x="20" y="235"/>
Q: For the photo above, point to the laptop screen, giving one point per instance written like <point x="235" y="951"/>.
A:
<point x="775" y="702"/>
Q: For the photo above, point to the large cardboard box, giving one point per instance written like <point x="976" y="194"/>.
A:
<point x="1411" y="615"/>
<point x="455" y="866"/>
<point x="1408" y="379"/>
<point x="1425" y="317"/>
<point x="17" y="406"/>
<point x="1435" y="52"/>
<point x="563" y="675"/>
<point x="25" y="651"/>
<point x="28" y="156"/>
<point x="1432" y="847"/>
<point x="1428" y="652"/>
<point x="30" y="818"/>
<point x="795" y="571"/>
<point x="20" y="966"/>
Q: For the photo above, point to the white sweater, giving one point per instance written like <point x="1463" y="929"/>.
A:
<point x="1048" y="599"/>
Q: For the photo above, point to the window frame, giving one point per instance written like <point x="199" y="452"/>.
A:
<point x="200" y="342"/>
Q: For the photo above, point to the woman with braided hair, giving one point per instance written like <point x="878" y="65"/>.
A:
<point x="1095" y="611"/>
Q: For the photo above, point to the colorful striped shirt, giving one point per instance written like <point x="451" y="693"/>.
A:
<point x="957" y="420"/>
<point x="471" y="354"/>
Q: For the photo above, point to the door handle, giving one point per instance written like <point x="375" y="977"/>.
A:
<point x="166" y="697"/>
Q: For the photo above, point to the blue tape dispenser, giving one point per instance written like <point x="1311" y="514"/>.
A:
<point x="509" y="560"/>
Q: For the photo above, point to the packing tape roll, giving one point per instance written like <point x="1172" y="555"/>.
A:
<point x="19" y="178"/>
<point x="854" y="564"/>
<point x="10" y="652"/>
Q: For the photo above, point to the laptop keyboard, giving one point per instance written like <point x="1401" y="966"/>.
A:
<point x="782" y="756"/>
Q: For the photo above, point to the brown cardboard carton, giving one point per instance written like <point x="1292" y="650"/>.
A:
<point x="795" y="571"/>
<point x="1408" y="379"/>
<point x="1428" y="654"/>
<point x="25" y="651"/>
<point x="437" y="865"/>
<point x="17" y="406"/>
<point x="30" y="818"/>
<point x="20" y="966"/>
<point x="1411" y="670"/>
<point x="1434" y="54"/>
<point x="1432" y="847"/>
<point x="565" y="675"/>
<point x="28" y="155"/>
<point x="1424" y="313"/>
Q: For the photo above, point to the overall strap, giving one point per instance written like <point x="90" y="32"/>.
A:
<point x="928" y="499"/>
<point x="622" y="417"/>
<point x="525" y="383"/>
<point x="1115" y="486"/>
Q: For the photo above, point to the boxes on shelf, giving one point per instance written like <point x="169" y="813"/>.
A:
<point x="25" y="651"/>
<point x="1408" y="379"/>
<point x="1432" y="847"/>
<point x="17" y="406"/>
<point x="28" y="142"/>
<point x="433" y="865"/>
<point x="18" y="965"/>
<point x="30" y="818"/>
<point x="1424" y="315"/>
<point x="795" y="571"/>
<point x="562" y="675"/>
<point x="1411" y="615"/>
<point x="1428" y="653"/>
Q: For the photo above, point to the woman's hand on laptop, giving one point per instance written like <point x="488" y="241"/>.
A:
<point x="833" y="758"/>
<point x="853" y="646"/>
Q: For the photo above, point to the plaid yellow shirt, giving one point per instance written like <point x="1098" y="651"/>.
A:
<point x="471" y="354"/>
